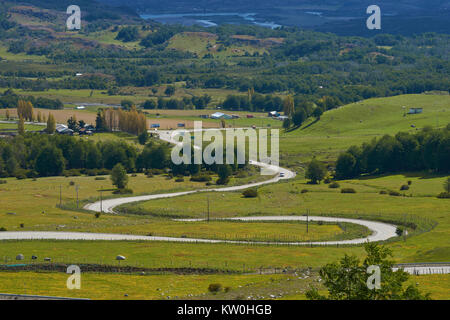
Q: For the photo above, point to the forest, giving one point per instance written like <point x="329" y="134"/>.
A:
<point x="426" y="150"/>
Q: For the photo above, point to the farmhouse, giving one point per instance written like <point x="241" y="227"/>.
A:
<point x="415" y="110"/>
<point x="63" y="129"/>
<point x="274" y="114"/>
<point x="220" y="115"/>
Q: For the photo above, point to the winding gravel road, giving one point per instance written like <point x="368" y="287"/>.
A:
<point x="380" y="231"/>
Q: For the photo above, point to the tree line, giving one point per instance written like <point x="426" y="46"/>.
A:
<point x="428" y="149"/>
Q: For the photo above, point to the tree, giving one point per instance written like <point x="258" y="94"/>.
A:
<point x="317" y="113"/>
<point x="143" y="137"/>
<point x="347" y="279"/>
<point x="50" y="162"/>
<point x="21" y="126"/>
<point x="447" y="185"/>
<point x="286" y="123"/>
<point x="72" y="123"/>
<point x="345" y="166"/>
<point x="119" y="176"/>
<point x="51" y="124"/>
<point x="224" y="171"/>
<point x="288" y="106"/>
<point x="149" y="104"/>
<point x="299" y="117"/>
<point x="316" y="171"/>
<point x="170" y="91"/>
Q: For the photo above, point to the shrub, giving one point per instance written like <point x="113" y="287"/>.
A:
<point x="404" y="187"/>
<point x="383" y="192"/>
<point x="91" y="172"/>
<point x="223" y="181"/>
<point x="399" y="231"/>
<point x="304" y="191"/>
<point x="250" y="193"/>
<point x="409" y="182"/>
<point x="71" y="173"/>
<point x="20" y="174"/>
<point x="71" y="183"/>
<point x="123" y="191"/>
<point x="179" y="179"/>
<point x="3" y="181"/>
<point x="327" y="180"/>
<point x="156" y="171"/>
<point x="203" y="177"/>
<point x="227" y="289"/>
<point x="334" y="185"/>
<point x="214" y="287"/>
<point x="394" y="193"/>
<point x="97" y="215"/>
<point x="2" y="229"/>
<point x="444" y="195"/>
<point x="100" y="178"/>
<point x="348" y="190"/>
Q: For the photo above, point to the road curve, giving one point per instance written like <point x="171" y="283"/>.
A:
<point x="169" y="136"/>
<point x="380" y="231"/>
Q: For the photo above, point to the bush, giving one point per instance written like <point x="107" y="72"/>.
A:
<point x="201" y="177"/>
<point x="399" y="231"/>
<point x="179" y="179"/>
<point x="304" y="191"/>
<point x="20" y="174"/>
<point x="334" y="185"/>
<point x="71" y="173"/>
<point x="214" y="287"/>
<point x="348" y="190"/>
<point x="327" y="180"/>
<point x="3" y="181"/>
<point x="394" y="193"/>
<point x="2" y="229"/>
<point x="123" y="191"/>
<point x="444" y="195"/>
<point x="404" y="187"/>
<point x="71" y="183"/>
<point x="92" y="172"/>
<point x="100" y="178"/>
<point x="250" y="193"/>
<point x="222" y="182"/>
<point x="383" y="192"/>
<point x="97" y="215"/>
<point x="409" y="182"/>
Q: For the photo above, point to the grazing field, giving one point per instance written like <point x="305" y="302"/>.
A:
<point x="360" y="122"/>
<point x="170" y="286"/>
<point x="135" y="287"/>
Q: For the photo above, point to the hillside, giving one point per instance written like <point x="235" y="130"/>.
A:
<point x="359" y="122"/>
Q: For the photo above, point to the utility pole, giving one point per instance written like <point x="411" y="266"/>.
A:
<point x="76" y="188"/>
<point x="101" y="200"/>
<point x="307" y="221"/>
<point x="207" y="200"/>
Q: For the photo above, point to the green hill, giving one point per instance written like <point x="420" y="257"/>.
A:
<point x="355" y="123"/>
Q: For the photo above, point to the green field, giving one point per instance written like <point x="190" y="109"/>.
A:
<point x="425" y="217"/>
<point x="356" y="123"/>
